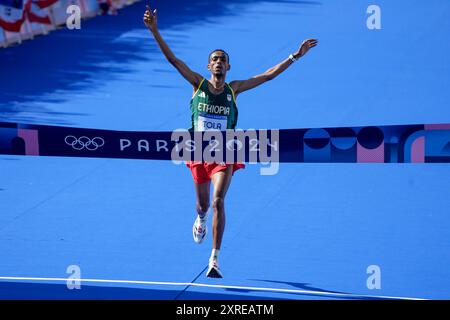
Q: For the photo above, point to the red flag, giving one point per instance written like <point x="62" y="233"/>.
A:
<point x="12" y="15"/>
<point x="35" y="14"/>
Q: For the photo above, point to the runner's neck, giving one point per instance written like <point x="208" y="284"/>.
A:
<point x="216" y="85"/>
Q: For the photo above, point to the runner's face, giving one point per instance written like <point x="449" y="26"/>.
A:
<point x="218" y="63"/>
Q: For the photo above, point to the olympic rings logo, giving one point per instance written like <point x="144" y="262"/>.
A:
<point x="84" y="143"/>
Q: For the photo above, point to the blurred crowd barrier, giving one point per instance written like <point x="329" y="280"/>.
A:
<point x="24" y="19"/>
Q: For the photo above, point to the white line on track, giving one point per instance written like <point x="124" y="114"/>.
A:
<point x="330" y="294"/>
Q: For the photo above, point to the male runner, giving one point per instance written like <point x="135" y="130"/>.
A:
<point x="213" y="106"/>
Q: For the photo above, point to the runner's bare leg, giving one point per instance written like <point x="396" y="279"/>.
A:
<point x="221" y="181"/>
<point x="202" y="195"/>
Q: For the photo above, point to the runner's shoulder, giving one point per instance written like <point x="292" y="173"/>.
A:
<point x="197" y="86"/>
<point x="234" y="85"/>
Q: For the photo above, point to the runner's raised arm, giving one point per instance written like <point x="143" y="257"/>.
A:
<point x="240" y="86"/>
<point x="151" y="22"/>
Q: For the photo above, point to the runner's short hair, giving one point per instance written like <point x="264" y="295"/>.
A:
<point x="220" y="50"/>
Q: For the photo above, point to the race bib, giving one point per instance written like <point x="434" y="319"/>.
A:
<point x="208" y="121"/>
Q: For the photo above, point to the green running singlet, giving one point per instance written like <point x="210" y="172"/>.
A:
<point x="211" y="111"/>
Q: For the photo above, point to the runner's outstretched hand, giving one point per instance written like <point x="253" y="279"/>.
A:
<point x="151" y="19"/>
<point x="304" y="48"/>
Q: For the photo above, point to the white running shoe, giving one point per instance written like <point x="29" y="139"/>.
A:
<point x="214" y="270"/>
<point x="199" y="229"/>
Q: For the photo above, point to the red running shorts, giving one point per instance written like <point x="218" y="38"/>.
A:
<point x="203" y="171"/>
